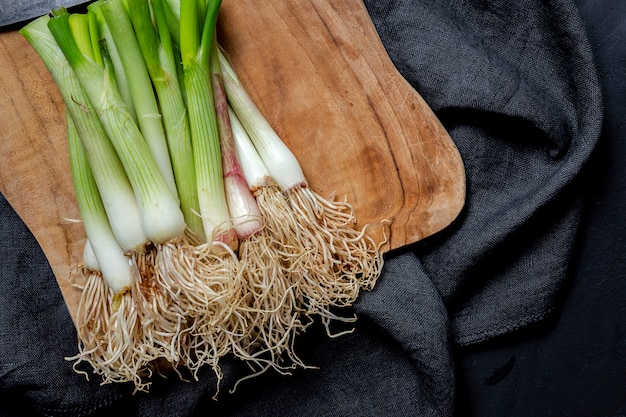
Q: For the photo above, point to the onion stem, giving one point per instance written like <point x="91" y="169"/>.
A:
<point x="195" y="46"/>
<point x="141" y="90"/>
<point x="114" y="264"/>
<point x="279" y="160"/>
<point x="100" y="31"/>
<point x="158" y="52"/>
<point x="242" y="205"/>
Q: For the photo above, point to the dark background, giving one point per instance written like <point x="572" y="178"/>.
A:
<point x="575" y="363"/>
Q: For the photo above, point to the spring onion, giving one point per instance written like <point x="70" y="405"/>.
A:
<point x="272" y="319"/>
<point x="271" y="307"/>
<point x="108" y="320"/>
<point x="335" y="260"/>
<point x="242" y="206"/>
<point x="112" y="287"/>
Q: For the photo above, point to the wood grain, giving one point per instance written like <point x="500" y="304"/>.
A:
<point x="319" y="73"/>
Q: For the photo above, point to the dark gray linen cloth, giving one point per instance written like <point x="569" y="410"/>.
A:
<point x="25" y="10"/>
<point x="515" y="85"/>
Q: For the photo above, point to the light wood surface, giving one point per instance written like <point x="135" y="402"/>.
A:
<point x="319" y="73"/>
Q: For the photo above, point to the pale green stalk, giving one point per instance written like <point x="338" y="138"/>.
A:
<point x="172" y="14"/>
<point x="100" y="31"/>
<point x="158" y="52"/>
<point x="114" y="265"/>
<point x="161" y="216"/>
<point x="195" y="51"/>
<point x="79" y="24"/>
<point x="139" y="83"/>
<point x="116" y="192"/>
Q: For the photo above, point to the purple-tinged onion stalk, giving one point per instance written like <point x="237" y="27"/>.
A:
<point x="208" y="269"/>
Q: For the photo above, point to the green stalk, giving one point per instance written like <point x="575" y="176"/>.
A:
<point x="158" y="53"/>
<point x="94" y="34"/>
<point x="161" y="216"/>
<point x="114" y="265"/>
<point x="141" y="90"/>
<point x="115" y="190"/>
<point x="171" y="10"/>
<point x="100" y="31"/>
<point x="172" y="14"/>
<point x="79" y="23"/>
<point x="195" y="49"/>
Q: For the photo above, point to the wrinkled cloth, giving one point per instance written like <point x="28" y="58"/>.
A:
<point x="515" y="85"/>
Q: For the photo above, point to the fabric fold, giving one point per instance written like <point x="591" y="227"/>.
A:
<point x="408" y="308"/>
<point x="515" y="85"/>
<point x="37" y="332"/>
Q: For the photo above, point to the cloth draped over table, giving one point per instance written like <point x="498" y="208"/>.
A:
<point x="515" y="85"/>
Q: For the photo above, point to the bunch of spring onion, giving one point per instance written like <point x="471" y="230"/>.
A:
<point x="308" y="258"/>
<point x="203" y="237"/>
<point x="128" y="318"/>
<point x="107" y="320"/>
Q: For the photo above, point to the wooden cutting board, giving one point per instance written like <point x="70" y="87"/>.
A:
<point x="320" y="74"/>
